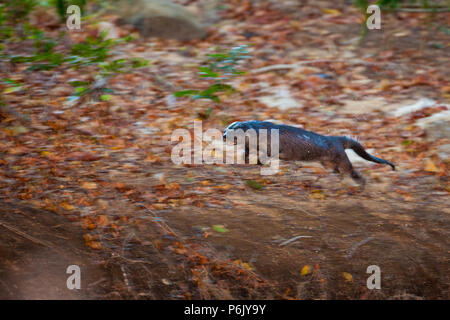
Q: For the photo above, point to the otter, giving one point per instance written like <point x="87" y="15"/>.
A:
<point x="301" y="145"/>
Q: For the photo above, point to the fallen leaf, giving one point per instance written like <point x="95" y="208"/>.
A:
<point x="430" y="166"/>
<point x="102" y="220"/>
<point x="347" y="276"/>
<point x="67" y="206"/>
<point x="306" y="270"/>
<point x="317" y="194"/>
<point x="89" y="185"/>
<point x="103" y="204"/>
<point x="18" y="150"/>
<point x="334" y="12"/>
<point x="254" y="184"/>
<point x="94" y="245"/>
<point x="16" y="130"/>
<point x="83" y="156"/>
<point x="89" y="224"/>
<point x="220" y="228"/>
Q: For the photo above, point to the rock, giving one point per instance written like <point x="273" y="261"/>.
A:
<point x="160" y="18"/>
<point x="109" y="28"/>
<point x="363" y="106"/>
<point x="443" y="152"/>
<point x="280" y="98"/>
<point x="436" y="126"/>
<point x="419" y="105"/>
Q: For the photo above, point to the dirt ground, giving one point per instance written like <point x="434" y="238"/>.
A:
<point x="103" y="193"/>
<point x="407" y="240"/>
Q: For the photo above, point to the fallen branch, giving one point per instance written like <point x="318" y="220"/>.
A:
<point x="424" y="10"/>
<point x="27" y="236"/>
<point x="292" y="240"/>
<point x="352" y="250"/>
<point x="277" y="67"/>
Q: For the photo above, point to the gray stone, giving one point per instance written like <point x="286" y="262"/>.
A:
<point x="160" y="18"/>
<point x="436" y="126"/>
<point x="443" y="152"/>
<point x="280" y="98"/>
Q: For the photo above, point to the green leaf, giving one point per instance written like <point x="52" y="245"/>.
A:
<point x="138" y="63"/>
<point x="12" y="89"/>
<point x="216" y="88"/>
<point x="218" y="55"/>
<point x="79" y="91"/>
<point x="206" y="96"/>
<point x="206" y="72"/>
<point x="12" y="82"/>
<point x="219" y="228"/>
<point x="105" y="97"/>
<point x="254" y="184"/>
<point x="184" y="93"/>
<point x="77" y="83"/>
<point x="407" y="142"/>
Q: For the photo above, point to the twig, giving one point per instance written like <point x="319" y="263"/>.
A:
<point x="304" y="211"/>
<point x="424" y="10"/>
<point x="298" y="64"/>
<point x="352" y="250"/>
<point x="27" y="236"/>
<point x="122" y="267"/>
<point x="96" y="282"/>
<point x="292" y="240"/>
<point x="164" y="226"/>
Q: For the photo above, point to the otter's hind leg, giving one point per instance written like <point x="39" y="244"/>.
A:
<point x="344" y="165"/>
<point x="330" y="165"/>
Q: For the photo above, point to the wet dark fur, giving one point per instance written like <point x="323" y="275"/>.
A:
<point x="302" y="145"/>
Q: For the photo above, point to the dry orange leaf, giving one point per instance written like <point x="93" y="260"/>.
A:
<point x="18" y="150"/>
<point x="306" y="270"/>
<point x="67" y="206"/>
<point x="331" y="11"/>
<point x="89" y="224"/>
<point x="102" y="220"/>
<point x="430" y="166"/>
<point x="94" y="244"/>
<point x="347" y="276"/>
<point x="89" y="185"/>
<point x="152" y="158"/>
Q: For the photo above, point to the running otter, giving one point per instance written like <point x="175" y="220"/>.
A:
<point x="302" y="145"/>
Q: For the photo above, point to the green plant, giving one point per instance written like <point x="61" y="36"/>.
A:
<point x="96" y="52"/>
<point x="47" y="53"/>
<point x="93" y="52"/>
<point x="15" y="11"/>
<point x="12" y="85"/>
<point x="220" y="67"/>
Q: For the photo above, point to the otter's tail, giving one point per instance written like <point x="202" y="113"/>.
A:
<point x="360" y="151"/>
